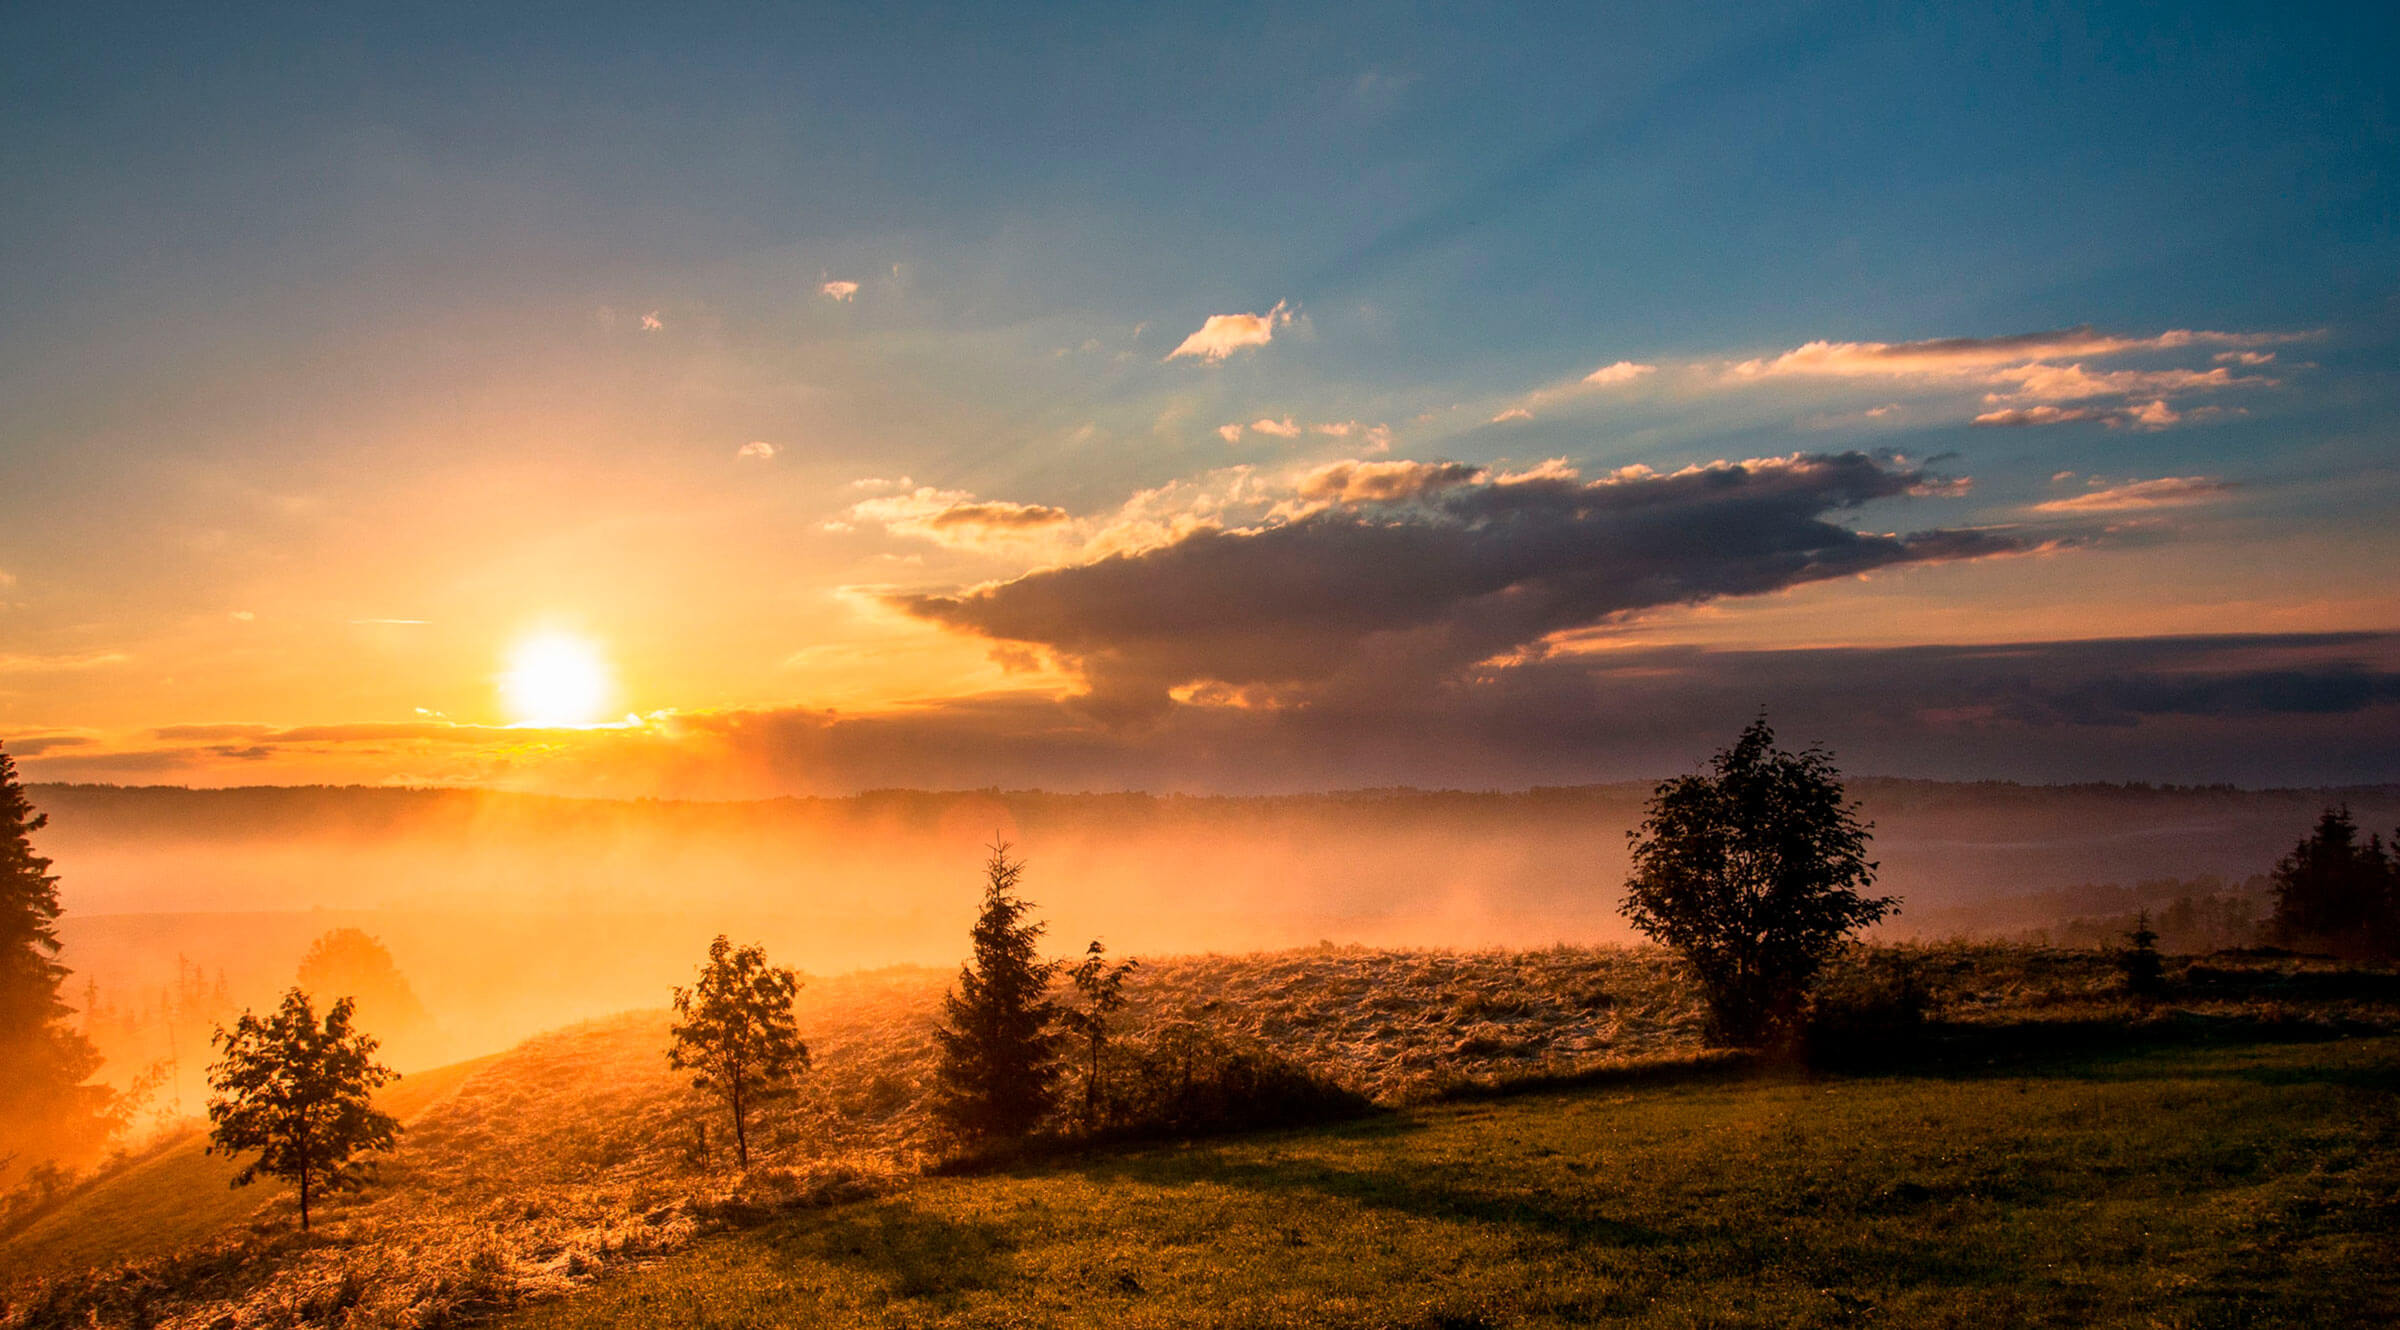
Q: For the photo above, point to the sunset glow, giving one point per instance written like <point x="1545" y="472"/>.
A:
<point x="556" y="680"/>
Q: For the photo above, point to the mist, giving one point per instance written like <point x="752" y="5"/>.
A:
<point x="509" y="914"/>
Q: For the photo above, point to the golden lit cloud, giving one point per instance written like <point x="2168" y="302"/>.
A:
<point x="757" y="450"/>
<point x="1624" y="371"/>
<point x="844" y="292"/>
<point x="1224" y="334"/>
<point x="2165" y="492"/>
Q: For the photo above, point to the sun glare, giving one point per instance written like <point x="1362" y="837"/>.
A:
<point x="555" y="679"/>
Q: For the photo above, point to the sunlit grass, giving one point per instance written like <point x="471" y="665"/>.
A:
<point x="2252" y="1185"/>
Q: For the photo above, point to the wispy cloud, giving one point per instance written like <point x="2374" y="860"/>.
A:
<point x="1513" y="413"/>
<point x="652" y="323"/>
<point x="758" y="450"/>
<point x="1968" y="356"/>
<point x="841" y="291"/>
<point x="2151" y="415"/>
<point x="2164" y="492"/>
<point x="1281" y="429"/>
<point x="1224" y="334"/>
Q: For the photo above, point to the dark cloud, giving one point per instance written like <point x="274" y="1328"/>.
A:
<point x="1416" y="570"/>
<point x="33" y="745"/>
<point x="2293" y="710"/>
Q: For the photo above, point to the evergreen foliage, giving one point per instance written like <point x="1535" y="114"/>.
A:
<point x="735" y="1033"/>
<point x="2334" y="893"/>
<point x="998" y="1048"/>
<point x="2143" y="968"/>
<point x="1753" y="871"/>
<point x="300" y="1093"/>
<point x="47" y="1111"/>
<point x="1102" y="987"/>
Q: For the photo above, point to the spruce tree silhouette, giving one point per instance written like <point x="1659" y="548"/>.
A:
<point x="999" y="1052"/>
<point x="47" y="1111"/>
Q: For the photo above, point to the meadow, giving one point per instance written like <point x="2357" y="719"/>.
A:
<point x="1549" y="1134"/>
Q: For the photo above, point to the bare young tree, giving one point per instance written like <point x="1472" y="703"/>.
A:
<point x="1102" y="987"/>
<point x="735" y="1033"/>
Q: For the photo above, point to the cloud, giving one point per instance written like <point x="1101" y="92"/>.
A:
<point x="1513" y="413"/>
<point x="2165" y="492"/>
<point x="1383" y="482"/>
<point x="1281" y="429"/>
<point x="841" y="291"/>
<point x="1224" y="334"/>
<point x="651" y="322"/>
<point x="756" y="450"/>
<point x="958" y="519"/>
<point x="1230" y="433"/>
<point x="1624" y="371"/>
<point x="1410" y="571"/>
<point x="2252" y="358"/>
<point x="29" y="663"/>
<point x="2151" y="415"/>
<point x="1969" y="356"/>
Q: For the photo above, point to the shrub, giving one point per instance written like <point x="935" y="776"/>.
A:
<point x="1871" y="1006"/>
<point x="1184" y="1080"/>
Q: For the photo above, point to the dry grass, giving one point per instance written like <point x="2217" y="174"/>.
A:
<point x="579" y="1150"/>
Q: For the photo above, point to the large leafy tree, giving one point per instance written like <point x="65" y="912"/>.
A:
<point x="735" y="1033"/>
<point x="997" y="1041"/>
<point x="300" y="1093"/>
<point x="47" y="1111"/>
<point x="2332" y="891"/>
<point x="1754" y="870"/>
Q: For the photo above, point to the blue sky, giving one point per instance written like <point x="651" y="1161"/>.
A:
<point x="347" y="346"/>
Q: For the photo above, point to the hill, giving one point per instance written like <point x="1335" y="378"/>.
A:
<point x="537" y="1172"/>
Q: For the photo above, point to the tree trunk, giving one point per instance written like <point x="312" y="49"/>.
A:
<point x="741" y="1137"/>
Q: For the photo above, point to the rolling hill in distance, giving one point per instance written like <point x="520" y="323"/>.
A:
<point x="512" y="913"/>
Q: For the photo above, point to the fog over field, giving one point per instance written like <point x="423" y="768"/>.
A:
<point x="512" y="913"/>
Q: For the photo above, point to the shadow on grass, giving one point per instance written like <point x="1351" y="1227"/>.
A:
<point x="912" y="1253"/>
<point x="1420" y="1192"/>
<point x="2109" y="1050"/>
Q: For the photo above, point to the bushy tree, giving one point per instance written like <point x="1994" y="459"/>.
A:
<point x="1102" y="987"/>
<point x="735" y="1033"/>
<point x="301" y="1094"/>
<point x="1753" y="870"/>
<point x="47" y="1111"/>
<point x="2333" y="892"/>
<point x="998" y="1048"/>
<point x="353" y="963"/>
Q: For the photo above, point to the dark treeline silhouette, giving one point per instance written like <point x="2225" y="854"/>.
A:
<point x="2333" y="893"/>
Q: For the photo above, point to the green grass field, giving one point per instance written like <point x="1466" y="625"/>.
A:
<point x="2221" y="1184"/>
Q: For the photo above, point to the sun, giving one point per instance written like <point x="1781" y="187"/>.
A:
<point x="555" y="679"/>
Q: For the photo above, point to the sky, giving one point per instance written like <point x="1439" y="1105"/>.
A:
<point x="733" y="401"/>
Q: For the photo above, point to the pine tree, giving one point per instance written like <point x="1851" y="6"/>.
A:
<point x="2143" y="968"/>
<point x="998" y="1050"/>
<point x="299" y="1093"/>
<point x="734" y="1032"/>
<point x="2333" y="892"/>
<point x="47" y="1111"/>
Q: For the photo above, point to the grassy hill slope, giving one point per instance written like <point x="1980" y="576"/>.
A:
<point x="177" y="1193"/>
<point x="2246" y="1185"/>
